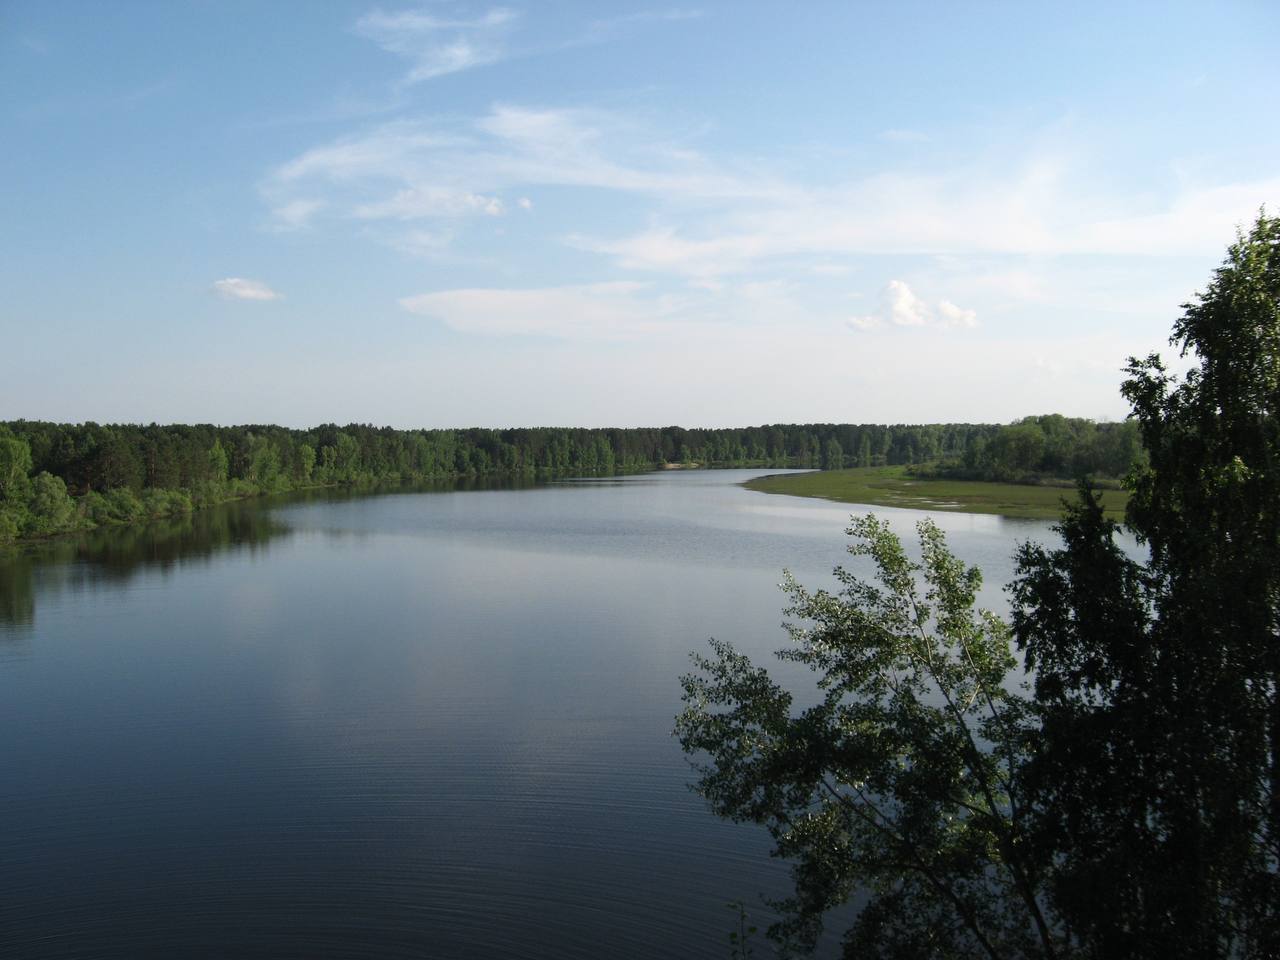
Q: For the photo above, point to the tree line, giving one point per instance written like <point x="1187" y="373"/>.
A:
<point x="56" y="477"/>
<point x="1050" y="447"/>
<point x="1112" y="792"/>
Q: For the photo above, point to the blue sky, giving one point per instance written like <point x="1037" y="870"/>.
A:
<point x="610" y="214"/>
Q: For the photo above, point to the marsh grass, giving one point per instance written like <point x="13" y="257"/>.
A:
<point x="894" y="487"/>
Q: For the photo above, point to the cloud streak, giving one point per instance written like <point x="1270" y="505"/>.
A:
<point x="438" y="46"/>
<point x="422" y="170"/>
<point x="238" y="288"/>
<point x="714" y="218"/>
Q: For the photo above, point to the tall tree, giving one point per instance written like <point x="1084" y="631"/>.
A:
<point x="832" y="455"/>
<point x="1158" y="776"/>
<point x="15" y="463"/>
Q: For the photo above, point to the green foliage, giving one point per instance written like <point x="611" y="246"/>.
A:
<point x="15" y="464"/>
<point x="902" y="780"/>
<point x="11" y="523"/>
<point x="51" y="510"/>
<point x="1048" y="447"/>
<point x="219" y="462"/>
<point x="864" y="451"/>
<point x="121" y="505"/>
<point x="306" y="462"/>
<point x="164" y="503"/>
<point x="832" y="455"/>
<point x="1158" y="775"/>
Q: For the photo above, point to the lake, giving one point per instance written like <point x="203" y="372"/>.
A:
<point x="412" y="724"/>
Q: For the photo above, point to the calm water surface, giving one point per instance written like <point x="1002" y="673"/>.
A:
<point x="405" y="725"/>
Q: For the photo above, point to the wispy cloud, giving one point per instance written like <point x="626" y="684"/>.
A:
<point x="238" y="288"/>
<point x="714" y="217"/>
<point x="624" y="310"/>
<point x="416" y="203"/>
<point x="295" y="215"/>
<point x="421" y="170"/>
<point x="514" y="145"/>
<point x="901" y="307"/>
<point x="607" y="27"/>
<point x="1037" y="210"/>
<point x="590" y="311"/>
<point x="437" y="46"/>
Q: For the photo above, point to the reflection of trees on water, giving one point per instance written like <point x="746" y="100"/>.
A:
<point x="114" y="555"/>
<point x="456" y="485"/>
<point x="17" y="596"/>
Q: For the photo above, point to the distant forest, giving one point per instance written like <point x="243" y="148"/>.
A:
<point x="58" y="477"/>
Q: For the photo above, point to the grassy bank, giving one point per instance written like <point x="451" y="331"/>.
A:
<point x="892" y="487"/>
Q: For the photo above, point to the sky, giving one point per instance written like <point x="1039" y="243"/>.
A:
<point x="607" y="214"/>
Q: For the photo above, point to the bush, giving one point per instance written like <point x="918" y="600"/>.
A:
<point x="12" y="520"/>
<point x="51" y="509"/>
<point x="121" y="505"/>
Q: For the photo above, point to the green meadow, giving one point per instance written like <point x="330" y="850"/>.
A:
<point x="894" y="487"/>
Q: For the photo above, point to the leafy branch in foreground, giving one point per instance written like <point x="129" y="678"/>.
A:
<point x="902" y="781"/>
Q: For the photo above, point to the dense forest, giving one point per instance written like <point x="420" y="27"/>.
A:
<point x="58" y="477"/>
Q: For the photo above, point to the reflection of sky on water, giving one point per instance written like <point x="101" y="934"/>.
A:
<point x="406" y="712"/>
<point x="696" y="517"/>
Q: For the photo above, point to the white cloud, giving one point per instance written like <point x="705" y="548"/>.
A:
<point x="901" y="307"/>
<point x="905" y="308"/>
<point x="439" y="46"/>
<point x="953" y="316"/>
<point x="238" y="288"/>
<point x="524" y="203"/>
